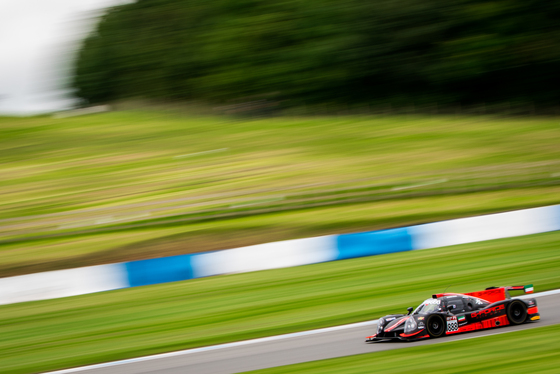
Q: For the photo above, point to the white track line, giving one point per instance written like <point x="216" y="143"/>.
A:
<point x="262" y="340"/>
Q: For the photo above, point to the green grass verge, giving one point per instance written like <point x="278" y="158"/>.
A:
<point x="116" y="163"/>
<point x="55" y="165"/>
<point x="100" y="248"/>
<point x="53" y="334"/>
<point x="530" y="351"/>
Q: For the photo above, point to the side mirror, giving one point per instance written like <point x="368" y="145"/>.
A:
<point x="409" y="309"/>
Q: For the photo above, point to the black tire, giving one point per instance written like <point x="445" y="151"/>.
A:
<point x="517" y="312"/>
<point x="435" y="326"/>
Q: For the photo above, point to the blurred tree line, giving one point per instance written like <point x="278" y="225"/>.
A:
<point x="327" y="51"/>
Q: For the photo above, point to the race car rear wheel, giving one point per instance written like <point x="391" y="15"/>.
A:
<point x="435" y="326"/>
<point x="517" y="312"/>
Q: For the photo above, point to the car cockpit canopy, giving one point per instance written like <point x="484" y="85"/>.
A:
<point x="455" y="304"/>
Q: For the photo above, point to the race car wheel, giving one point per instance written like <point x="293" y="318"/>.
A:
<point x="435" y="326"/>
<point x="516" y="312"/>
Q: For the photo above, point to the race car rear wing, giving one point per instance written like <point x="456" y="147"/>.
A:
<point x="527" y="289"/>
<point x="493" y="294"/>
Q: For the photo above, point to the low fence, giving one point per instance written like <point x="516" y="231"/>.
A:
<point x="288" y="253"/>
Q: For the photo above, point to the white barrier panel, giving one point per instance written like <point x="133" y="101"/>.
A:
<point x="62" y="283"/>
<point x="265" y="256"/>
<point x="493" y="226"/>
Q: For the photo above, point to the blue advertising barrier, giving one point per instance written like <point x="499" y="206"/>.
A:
<point x="159" y="270"/>
<point x="373" y="243"/>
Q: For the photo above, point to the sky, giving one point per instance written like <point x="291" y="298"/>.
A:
<point x="38" y="41"/>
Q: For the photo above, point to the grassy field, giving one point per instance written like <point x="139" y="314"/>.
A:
<point x="130" y="185"/>
<point x="52" y="334"/>
<point x="98" y="248"/>
<point x="534" y="350"/>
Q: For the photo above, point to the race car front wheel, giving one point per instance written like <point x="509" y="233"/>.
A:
<point x="516" y="312"/>
<point x="435" y="326"/>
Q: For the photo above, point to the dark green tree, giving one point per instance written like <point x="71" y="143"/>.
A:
<point x="357" y="51"/>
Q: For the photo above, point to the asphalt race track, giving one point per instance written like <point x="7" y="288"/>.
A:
<point x="296" y="349"/>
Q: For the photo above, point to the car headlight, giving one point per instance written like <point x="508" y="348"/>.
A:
<point x="380" y="325"/>
<point x="410" y="325"/>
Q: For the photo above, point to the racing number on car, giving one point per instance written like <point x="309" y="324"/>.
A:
<point x="452" y="324"/>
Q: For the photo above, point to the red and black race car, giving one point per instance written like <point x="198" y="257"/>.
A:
<point x="452" y="313"/>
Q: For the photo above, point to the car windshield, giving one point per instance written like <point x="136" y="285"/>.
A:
<point x="429" y="306"/>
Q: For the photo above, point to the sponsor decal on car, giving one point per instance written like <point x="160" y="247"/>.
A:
<point x="420" y="318"/>
<point x="497" y="291"/>
<point x="488" y="312"/>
